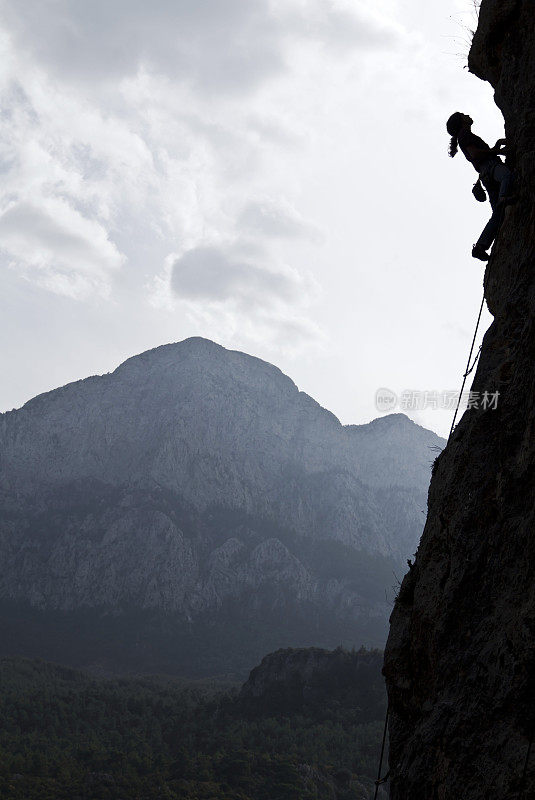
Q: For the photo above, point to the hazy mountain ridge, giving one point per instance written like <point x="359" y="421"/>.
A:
<point x="193" y="476"/>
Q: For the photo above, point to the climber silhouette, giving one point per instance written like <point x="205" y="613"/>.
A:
<point x="493" y="174"/>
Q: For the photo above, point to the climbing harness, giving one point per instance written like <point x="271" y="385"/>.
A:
<point x="380" y="780"/>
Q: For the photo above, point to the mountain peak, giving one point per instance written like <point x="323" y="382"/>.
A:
<point x="201" y="482"/>
<point x="193" y="349"/>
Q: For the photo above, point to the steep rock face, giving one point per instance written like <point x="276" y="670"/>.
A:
<point x="460" y="659"/>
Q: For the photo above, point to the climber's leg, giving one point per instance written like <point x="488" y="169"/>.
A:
<point x="499" y="184"/>
<point x="479" y="252"/>
<point x="489" y="232"/>
<point x="504" y="178"/>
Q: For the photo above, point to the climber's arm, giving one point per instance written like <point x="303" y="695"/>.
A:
<point x="476" y="153"/>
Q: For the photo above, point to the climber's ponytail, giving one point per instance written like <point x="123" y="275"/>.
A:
<point x="453" y="126"/>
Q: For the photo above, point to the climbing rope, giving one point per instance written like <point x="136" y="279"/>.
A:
<point x="380" y="780"/>
<point x="466" y="374"/>
<point x="469" y="368"/>
<point x="526" y="762"/>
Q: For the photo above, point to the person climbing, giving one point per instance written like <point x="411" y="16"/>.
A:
<point x="493" y="174"/>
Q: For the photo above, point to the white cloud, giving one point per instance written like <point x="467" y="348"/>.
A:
<point x="340" y="25"/>
<point x="278" y="219"/>
<point x="216" y="46"/>
<point x="127" y="122"/>
<point x="232" y="293"/>
<point x="209" y="273"/>
<point x="130" y="131"/>
<point x="231" y="44"/>
<point x="72" y="254"/>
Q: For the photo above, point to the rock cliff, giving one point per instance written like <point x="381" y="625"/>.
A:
<point x="460" y="659"/>
<point x="200" y="482"/>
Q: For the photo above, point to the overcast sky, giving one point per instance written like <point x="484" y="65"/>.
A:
<point x="270" y="174"/>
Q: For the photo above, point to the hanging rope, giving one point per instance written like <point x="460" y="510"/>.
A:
<point x="469" y="368"/>
<point x="526" y="762"/>
<point x="474" y="362"/>
<point x="380" y="780"/>
<point x="466" y="374"/>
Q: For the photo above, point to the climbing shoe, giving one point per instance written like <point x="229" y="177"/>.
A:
<point x="478" y="252"/>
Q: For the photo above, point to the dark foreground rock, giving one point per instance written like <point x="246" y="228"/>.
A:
<point x="460" y="660"/>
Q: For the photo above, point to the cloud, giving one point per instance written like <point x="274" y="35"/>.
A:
<point x="126" y="131"/>
<point x="274" y="218"/>
<point x="210" y="43"/>
<point x="211" y="274"/>
<point x="342" y="25"/>
<point x="227" y="293"/>
<point x="73" y="254"/>
<point x="215" y="45"/>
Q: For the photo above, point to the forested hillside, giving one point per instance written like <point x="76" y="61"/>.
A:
<point x="68" y="736"/>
